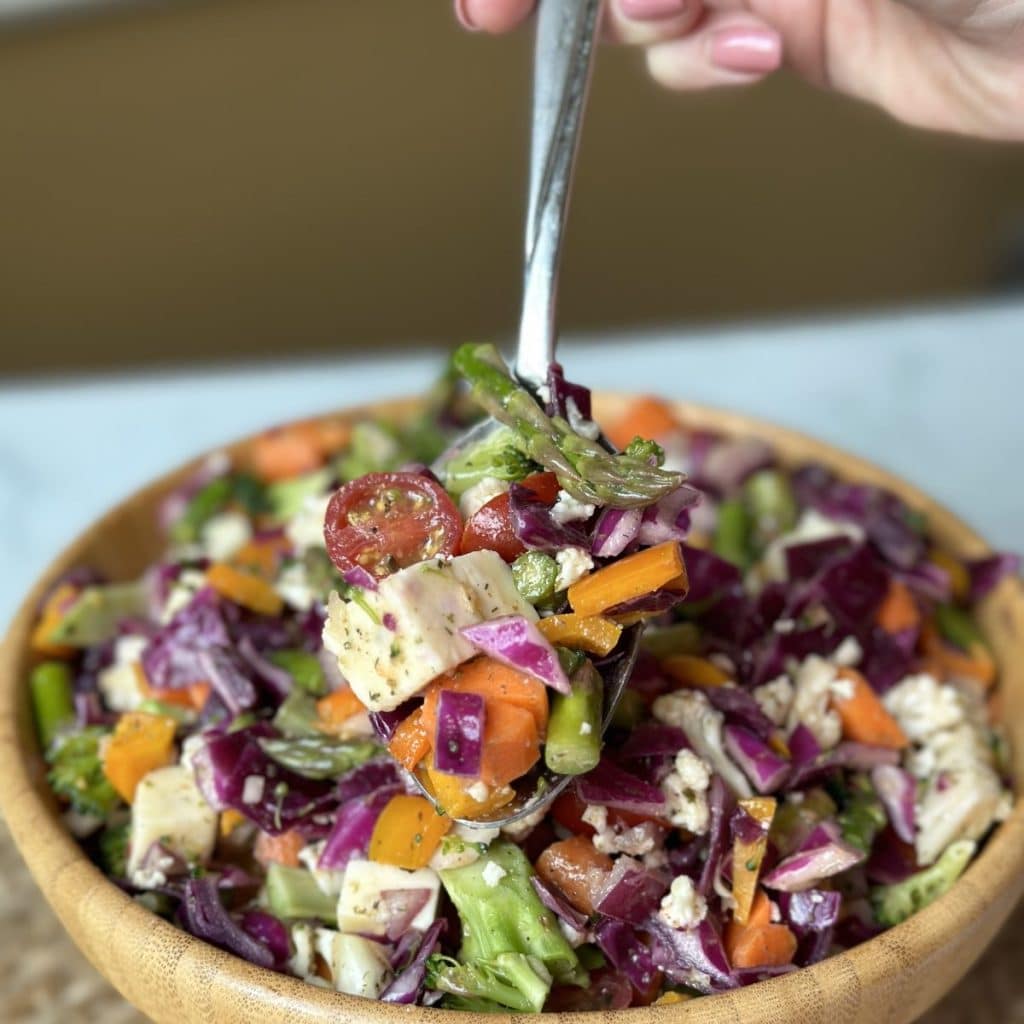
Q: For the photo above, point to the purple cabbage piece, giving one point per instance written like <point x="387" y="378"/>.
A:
<point x="655" y="602"/>
<point x="357" y="576"/>
<point x="765" y="769"/>
<point x="739" y="707"/>
<point x="987" y="573"/>
<point x="401" y="907"/>
<point x="669" y="518"/>
<point x="627" y="953"/>
<point x="811" y="915"/>
<point x="809" y="865"/>
<point x="558" y="906"/>
<point x="853" y="587"/>
<point x="806" y="560"/>
<point x="612" y="786"/>
<point x="859" y="757"/>
<point x="89" y="710"/>
<point x="386" y="722"/>
<point x="560" y="391"/>
<point x="652" y="739"/>
<point x="405" y="989"/>
<point x="275" y="678"/>
<point x="803" y="746"/>
<point x="729" y="462"/>
<point x="745" y="827"/>
<point x="515" y="641"/>
<point x="857" y="924"/>
<point x="615" y="530"/>
<point x="891" y="860"/>
<point x="270" y="932"/>
<point x="536" y="530"/>
<point x="631" y="894"/>
<point x="680" y="952"/>
<point x="366" y="778"/>
<point x="927" y="580"/>
<point x="721" y="804"/>
<point x="897" y="789"/>
<point x="709" y="575"/>
<point x="460" y="732"/>
<point x="887" y="659"/>
<point x="777" y="648"/>
<point x="222" y="669"/>
<point x="353" y="827"/>
<point x="204" y="916"/>
<point x="285" y="800"/>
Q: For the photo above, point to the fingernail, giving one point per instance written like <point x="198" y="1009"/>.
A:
<point x="751" y="51"/>
<point x="652" y="10"/>
<point x="462" y="13"/>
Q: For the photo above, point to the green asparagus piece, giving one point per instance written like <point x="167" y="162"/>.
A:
<point x="584" y="469"/>
<point x="293" y="893"/>
<point x="52" y="703"/>
<point x="679" y="638"/>
<point x="570" y="659"/>
<point x="286" y="497"/>
<point x="535" y="575"/>
<point x="862" y="816"/>
<point x="320" y="757"/>
<point x="96" y="612"/>
<point x="958" y="627"/>
<point x="732" y="533"/>
<point x="573" y="745"/>
<point x="895" y="903"/>
<point x="771" y="503"/>
<point x="303" y="667"/>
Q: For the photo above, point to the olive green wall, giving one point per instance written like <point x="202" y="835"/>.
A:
<point x="205" y="179"/>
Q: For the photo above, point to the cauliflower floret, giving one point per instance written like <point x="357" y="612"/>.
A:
<point x="573" y="564"/>
<point x="685" y="790"/>
<point x="691" y="711"/>
<point x="923" y="706"/>
<point x="226" y="534"/>
<point x="814" y="686"/>
<point x="479" y="494"/>
<point x="635" y="840"/>
<point x="568" y="510"/>
<point x="848" y="653"/>
<point x="682" y="906"/>
<point x="957" y="805"/>
<point x="775" y="698"/>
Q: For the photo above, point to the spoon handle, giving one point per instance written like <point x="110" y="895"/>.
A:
<point x="563" y="56"/>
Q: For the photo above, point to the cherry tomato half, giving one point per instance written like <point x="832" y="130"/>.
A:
<point x="491" y="526"/>
<point x="384" y="522"/>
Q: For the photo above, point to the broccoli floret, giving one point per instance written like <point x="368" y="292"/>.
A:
<point x="640" y="448"/>
<point x="113" y="850"/>
<point x="895" y="903"/>
<point x="496" y="455"/>
<point x="862" y="816"/>
<point x="511" y="980"/>
<point x="512" y="946"/>
<point x="76" y="773"/>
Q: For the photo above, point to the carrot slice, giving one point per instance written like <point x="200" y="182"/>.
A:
<point x="511" y="745"/>
<point x="244" y="588"/>
<point x="410" y="742"/>
<point x="261" y="557"/>
<point x="864" y="716"/>
<point x="691" y="670"/>
<point x="594" y="633"/>
<point x="50" y="618"/>
<point x="334" y="710"/>
<point x="770" y="945"/>
<point x="193" y="697"/>
<point x="283" y="849"/>
<point x="629" y="578"/>
<point x="646" y="417"/>
<point x="408" y="832"/>
<point x="898" y="611"/>
<point x="286" y="452"/>
<point x="140" y="744"/>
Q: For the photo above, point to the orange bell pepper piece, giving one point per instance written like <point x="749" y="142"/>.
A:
<point x="140" y="744"/>
<point x="50" y="618"/>
<point x="629" y="578"/>
<point x="694" y="671"/>
<point x="244" y="588"/>
<point x="408" y="832"/>
<point x="864" y="717"/>
<point x="945" y="661"/>
<point x="592" y="633"/>
<point x="283" y="849"/>
<point x="334" y="710"/>
<point x="451" y="794"/>
<point x="748" y="856"/>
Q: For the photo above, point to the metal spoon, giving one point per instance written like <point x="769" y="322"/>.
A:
<point x="563" y="57"/>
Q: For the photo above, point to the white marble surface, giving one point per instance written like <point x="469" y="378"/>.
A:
<point x="934" y="395"/>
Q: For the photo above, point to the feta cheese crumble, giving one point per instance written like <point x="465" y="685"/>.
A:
<point x="568" y="510"/>
<point x="573" y="565"/>
<point x="813" y="689"/>
<point x="479" y="494"/>
<point x="493" y="873"/>
<point x="682" y="906"/>
<point x="685" y="789"/>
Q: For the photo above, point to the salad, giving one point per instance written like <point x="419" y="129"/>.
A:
<point x="289" y="736"/>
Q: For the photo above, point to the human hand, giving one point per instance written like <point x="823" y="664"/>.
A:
<point x="950" y="65"/>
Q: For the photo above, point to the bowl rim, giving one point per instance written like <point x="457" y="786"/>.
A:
<point x="27" y="807"/>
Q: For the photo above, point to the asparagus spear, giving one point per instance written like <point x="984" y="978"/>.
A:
<point x="584" y="469"/>
<point x="50" y="684"/>
<point x="573" y="744"/>
<point x="732" y="533"/>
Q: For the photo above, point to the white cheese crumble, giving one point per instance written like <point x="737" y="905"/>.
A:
<point x="685" y="789"/>
<point x="814" y="679"/>
<point x="483" y="491"/>
<point x="492" y="874"/>
<point x="478" y="791"/>
<point x="573" y="565"/>
<point x="848" y="653"/>
<point x="306" y="528"/>
<point x="293" y="587"/>
<point x="181" y="592"/>
<point x="568" y="510"/>
<point x="775" y="698"/>
<point x="586" y="728"/>
<point x="252" y="789"/>
<point x="923" y="707"/>
<point x="119" y="682"/>
<point x="682" y="906"/>
<point x="224" y="535"/>
<point x="635" y="840"/>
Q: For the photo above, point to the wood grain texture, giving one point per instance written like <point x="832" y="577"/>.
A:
<point x="177" y="979"/>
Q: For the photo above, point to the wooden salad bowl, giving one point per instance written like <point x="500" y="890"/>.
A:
<point x="178" y="979"/>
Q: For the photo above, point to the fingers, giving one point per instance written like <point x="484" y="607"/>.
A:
<point x="727" y="48"/>
<point x="492" y="16"/>
<point x="645" y="22"/>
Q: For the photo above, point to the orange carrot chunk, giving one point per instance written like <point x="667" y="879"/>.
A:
<point x="511" y="745"/>
<point x="945" y="661"/>
<point x="410" y="742"/>
<point x="50" y="618"/>
<point x="646" y="417"/>
<point x="898" y="611"/>
<point x="770" y="945"/>
<point x="286" y="452"/>
<point x="691" y="670"/>
<point x="244" y="588"/>
<point x="283" y="849"/>
<point x="864" y="716"/>
<point x="334" y="710"/>
<point x="629" y="578"/>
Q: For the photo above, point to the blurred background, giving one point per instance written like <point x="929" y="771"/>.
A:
<point x="202" y="180"/>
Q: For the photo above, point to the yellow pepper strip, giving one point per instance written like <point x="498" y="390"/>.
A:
<point x="629" y="578"/>
<point x="670" y="998"/>
<point x="778" y="743"/>
<point x="691" y="670"/>
<point x="747" y="856"/>
<point x="450" y="793"/>
<point x="140" y="744"/>
<point x="229" y="821"/>
<point x="408" y="832"/>
<point x="592" y="633"/>
<point x="244" y="588"/>
<point x="959" y="578"/>
<point x="50" y="619"/>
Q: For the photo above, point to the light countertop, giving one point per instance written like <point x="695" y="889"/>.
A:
<point x="934" y="395"/>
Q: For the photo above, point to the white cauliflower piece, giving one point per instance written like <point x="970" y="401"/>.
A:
<point x="573" y="565"/>
<point x="568" y="510"/>
<point x="685" y="789"/>
<point x="848" y="653"/>
<point x="682" y="906"/>
<point x="474" y="498"/>
<point x="814" y="681"/>
<point x="923" y="706"/>
<point x="635" y="840"/>
<point x="775" y="698"/>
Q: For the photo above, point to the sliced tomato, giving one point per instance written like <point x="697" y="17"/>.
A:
<point x="384" y="522"/>
<point x="491" y="527"/>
